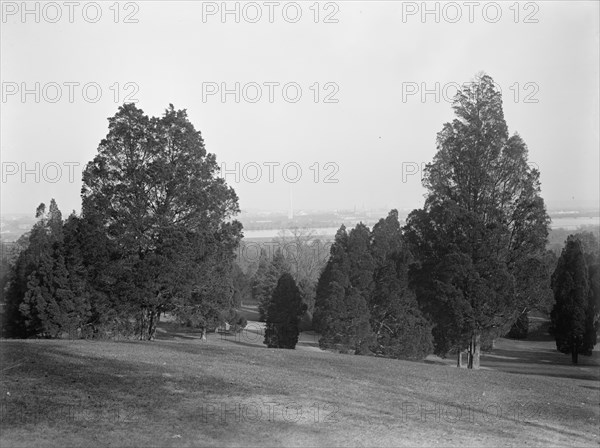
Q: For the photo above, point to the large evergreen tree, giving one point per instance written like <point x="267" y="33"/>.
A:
<point x="574" y="318"/>
<point x="153" y="190"/>
<point x="283" y="314"/>
<point x="482" y="223"/>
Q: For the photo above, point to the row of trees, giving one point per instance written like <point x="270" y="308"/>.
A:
<point x="474" y="256"/>
<point x="363" y="300"/>
<point x="156" y="234"/>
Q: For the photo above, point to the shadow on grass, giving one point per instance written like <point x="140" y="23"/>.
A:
<point x="531" y="358"/>
<point x="49" y="379"/>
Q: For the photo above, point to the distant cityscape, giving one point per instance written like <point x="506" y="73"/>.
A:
<point x="12" y="226"/>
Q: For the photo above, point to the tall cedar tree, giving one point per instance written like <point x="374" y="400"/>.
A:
<point x="332" y="276"/>
<point x="482" y="224"/>
<point x="283" y="314"/>
<point x="51" y="292"/>
<point x="153" y="190"/>
<point x="574" y="318"/>
<point x="341" y="312"/>
<point x="400" y="328"/>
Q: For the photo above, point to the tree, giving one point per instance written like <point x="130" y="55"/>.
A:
<point x="332" y="278"/>
<point x="13" y="322"/>
<point x="48" y="297"/>
<point x="341" y="312"/>
<point x="574" y="318"/>
<point x="283" y="314"/>
<point x="9" y="252"/>
<point x="266" y="278"/>
<point x="482" y="223"/>
<point x="153" y="190"/>
<point x="400" y="329"/>
<point x="241" y="285"/>
<point x="536" y="292"/>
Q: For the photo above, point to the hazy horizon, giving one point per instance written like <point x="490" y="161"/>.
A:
<point x="358" y="134"/>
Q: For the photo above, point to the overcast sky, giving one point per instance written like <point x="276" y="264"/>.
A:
<point x="365" y="124"/>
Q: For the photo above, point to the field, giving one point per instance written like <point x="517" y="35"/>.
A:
<point x="232" y="391"/>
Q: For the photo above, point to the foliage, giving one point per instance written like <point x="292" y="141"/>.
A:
<point x="152" y="190"/>
<point x="574" y="318"/>
<point x="482" y="225"/>
<point x="266" y="278"/>
<point x="242" y="286"/>
<point x="400" y="328"/>
<point x="306" y="256"/>
<point x="47" y="295"/>
<point x="283" y="314"/>
<point x="341" y="312"/>
<point x="520" y="328"/>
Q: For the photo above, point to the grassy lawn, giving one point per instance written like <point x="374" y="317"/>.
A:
<point x="180" y="391"/>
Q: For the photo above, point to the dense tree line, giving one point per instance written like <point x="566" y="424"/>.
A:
<point x="466" y="267"/>
<point x="156" y="234"/>
<point x="363" y="301"/>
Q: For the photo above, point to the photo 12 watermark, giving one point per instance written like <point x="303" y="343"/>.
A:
<point x="68" y="92"/>
<point x="70" y="12"/>
<point x="412" y="91"/>
<point x="37" y="172"/>
<point x="270" y="12"/>
<point x="253" y="411"/>
<point x="270" y="92"/>
<point x="315" y="250"/>
<point x="467" y="412"/>
<point x="410" y="169"/>
<point x="470" y="12"/>
<point x="19" y="413"/>
<point x="272" y="172"/>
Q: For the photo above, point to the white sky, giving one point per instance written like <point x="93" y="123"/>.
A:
<point x="371" y="53"/>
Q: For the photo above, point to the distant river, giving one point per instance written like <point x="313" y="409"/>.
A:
<point x="328" y="232"/>
<point x="325" y="232"/>
<point x="573" y="223"/>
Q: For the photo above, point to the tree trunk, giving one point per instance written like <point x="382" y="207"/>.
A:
<point x="149" y="318"/>
<point x="142" y="324"/>
<point x="154" y="317"/>
<point x="475" y="350"/>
